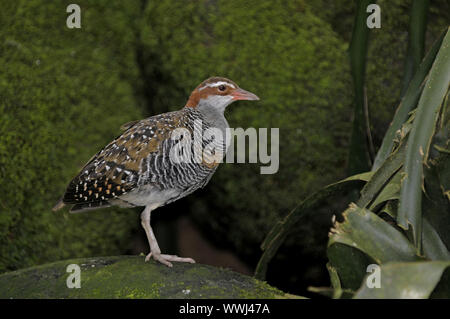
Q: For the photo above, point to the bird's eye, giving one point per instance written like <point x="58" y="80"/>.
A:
<point x="222" y="87"/>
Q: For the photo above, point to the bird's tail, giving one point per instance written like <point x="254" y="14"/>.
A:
<point x="60" y="204"/>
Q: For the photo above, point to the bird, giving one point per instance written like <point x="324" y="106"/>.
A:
<point x="144" y="166"/>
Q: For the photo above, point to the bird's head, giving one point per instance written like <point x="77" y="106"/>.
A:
<point x="216" y="93"/>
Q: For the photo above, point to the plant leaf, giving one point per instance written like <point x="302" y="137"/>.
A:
<point x="358" y="157"/>
<point x="419" y="140"/>
<point x="369" y="233"/>
<point x="433" y="246"/>
<point x="416" y="41"/>
<point x="335" y="281"/>
<point x="406" y="280"/>
<point x="330" y="293"/>
<point x="390" y="192"/>
<point x="278" y="233"/>
<point x="381" y="176"/>
<point x="336" y="290"/>
<point x="350" y="264"/>
<point x="435" y="205"/>
<point x="408" y="102"/>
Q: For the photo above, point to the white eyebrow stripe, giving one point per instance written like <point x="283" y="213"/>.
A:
<point x="216" y="84"/>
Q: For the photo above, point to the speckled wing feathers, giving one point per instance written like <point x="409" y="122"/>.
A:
<point x="138" y="157"/>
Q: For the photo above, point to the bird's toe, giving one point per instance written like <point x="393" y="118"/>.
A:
<point x="179" y="259"/>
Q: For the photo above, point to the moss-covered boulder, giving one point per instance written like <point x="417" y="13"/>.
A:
<point x="131" y="277"/>
<point x="64" y="93"/>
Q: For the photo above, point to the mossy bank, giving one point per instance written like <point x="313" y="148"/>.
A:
<point x="131" y="277"/>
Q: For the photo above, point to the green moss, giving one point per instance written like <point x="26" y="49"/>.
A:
<point x="64" y="95"/>
<point x="131" y="277"/>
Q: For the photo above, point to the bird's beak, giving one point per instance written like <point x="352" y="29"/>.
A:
<point x="240" y="94"/>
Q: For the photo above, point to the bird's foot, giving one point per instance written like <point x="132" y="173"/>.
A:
<point x="166" y="259"/>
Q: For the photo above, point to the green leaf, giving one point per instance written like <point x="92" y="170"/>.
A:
<point x="382" y="175"/>
<point x="419" y="140"/>
<point x="443" y="287"/>
<point x="416" y="43"/>
<point x="358" y="159"/>
<point x="406" y="281"/>
<point x="407" y="104"/>
<point x="323" y="291"/>
<point x="433" y="247"/>
<point x="279" y="232"/>
<point x="330" y="292"/>
<point x="435" y="205"/>
<point x="369" y="233"/>
<point x="336" y="291"/>
<point x="335" y="281"/>
<point x="390" y="208"/>
<point x="350" y="265"/>
<point x="390" y="192"/>
<point x="441" y="149"/>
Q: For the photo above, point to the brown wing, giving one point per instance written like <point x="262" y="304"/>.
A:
<point x="115" y="170"/>
<point x="128" y="125"/>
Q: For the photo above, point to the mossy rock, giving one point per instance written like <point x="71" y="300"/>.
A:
<point x="64" y="95"/>
<point x="131" y="277"/>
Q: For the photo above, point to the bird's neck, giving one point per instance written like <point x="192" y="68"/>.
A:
<point x="213" y="117"/>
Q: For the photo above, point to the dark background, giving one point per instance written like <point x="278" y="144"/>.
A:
<point x="65" y="93"/>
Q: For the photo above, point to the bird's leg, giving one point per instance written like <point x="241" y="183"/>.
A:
<point x="155" y="251"/>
